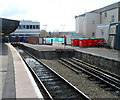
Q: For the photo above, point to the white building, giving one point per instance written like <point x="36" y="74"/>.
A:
<point x="102" y="31"/>
<point x="87" y="23"/>
<point x="27" y="28"/>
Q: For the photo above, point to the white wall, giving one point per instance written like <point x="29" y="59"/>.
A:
<point x="87" y="26"/>
<point x="79" y="24"/>
<point x="110" y="13"/>
<point x="29" y="22"/>
<point x="92" y="19"/>
<point x="84" y="24"/>
<point x="102" y="31"/>
<point x="27" y="31"/>
<point x="81" y="21"/>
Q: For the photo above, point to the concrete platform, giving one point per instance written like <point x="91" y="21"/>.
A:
<point x="106" y="53"/>
<point x="3" y="66"/>
<point x="17" y="81"/>
<point x="107" y="59"/>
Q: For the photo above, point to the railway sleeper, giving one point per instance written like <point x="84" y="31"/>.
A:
<point x="108" y="89"/>
<point x="53" y="83"/>
<point x="98" y="73"/>
<point x="91" y="78"/>
<point x="93" y="66"/>
<point x="93" y="74"/>
<point x="74" y="92"/>
<point x="69" y="66"/>
<point x="40" y="74"/>
<point x="63" y="91"/>
<point x="60" y="93"/>
<point x="49" y="80"/>
<point x="46" y="77"/>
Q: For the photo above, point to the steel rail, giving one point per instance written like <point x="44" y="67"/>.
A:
<point x="93" y="66"/>
<point x="99" y="73"/>
<point x="85" y="68"/>
<point x="38" y="80"/>
<point x="70" y="88"/>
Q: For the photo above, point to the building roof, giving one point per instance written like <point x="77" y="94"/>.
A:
<point x="106" y="8"/>
<point x="25" y="22"/>
<point x="8" y="26"/>
<point x="80" y="15"/>
<point x="109" y="7"/>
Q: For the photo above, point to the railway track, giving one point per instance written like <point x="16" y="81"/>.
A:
<point x="105" y="79"/>
<point x="54" y="85"/>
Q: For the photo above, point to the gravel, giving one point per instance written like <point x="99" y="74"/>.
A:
<point x="90" y="88"/>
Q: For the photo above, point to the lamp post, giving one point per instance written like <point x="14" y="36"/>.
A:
<point x="45" y="26"/>
<point x="62" y="27"/>
<point x="45" y="29"/>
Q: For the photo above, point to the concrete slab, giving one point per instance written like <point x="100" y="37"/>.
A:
<point x="3" y="68"/>
<point x="107" y="53"/>
<point x="100" y="57"/>
<point x="9" y="85"/>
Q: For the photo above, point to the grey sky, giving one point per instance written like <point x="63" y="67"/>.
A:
<point x="12" y="11"/>
<point x="54" y="13"/>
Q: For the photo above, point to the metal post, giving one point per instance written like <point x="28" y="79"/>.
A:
<point x="118" y="55"/>
<point x="1" y="59"/>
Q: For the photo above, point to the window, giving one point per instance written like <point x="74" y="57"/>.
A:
<point x="112" y="18"/>
<point x="37" y="27"/>
<point x="93" y="34"/>
<point x="33" y="26"/>
<point x="93" y="22"/>
<point x="102" y="32"/>
<point x="27" y="26"/>
<point x="105" y="14"/>
<point x="24" y="26"/>
<point x="30" y="26"/>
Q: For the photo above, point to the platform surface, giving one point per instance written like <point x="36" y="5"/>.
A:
<point x="20" y="85"/>
<point x="107" y="53"/>
<point x="17" y="81"/>
<point x="3" y="66"/>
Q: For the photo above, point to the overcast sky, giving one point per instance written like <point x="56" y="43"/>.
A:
<point x="58" y="15"/>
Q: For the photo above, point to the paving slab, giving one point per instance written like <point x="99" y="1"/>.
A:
<point x="16" y="80"/>
<point x="9" y="90"/>
<point x="3" y="66"/>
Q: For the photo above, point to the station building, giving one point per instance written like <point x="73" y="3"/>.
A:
<point x="27" y="28"/>
<point x="86" y="23"/>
